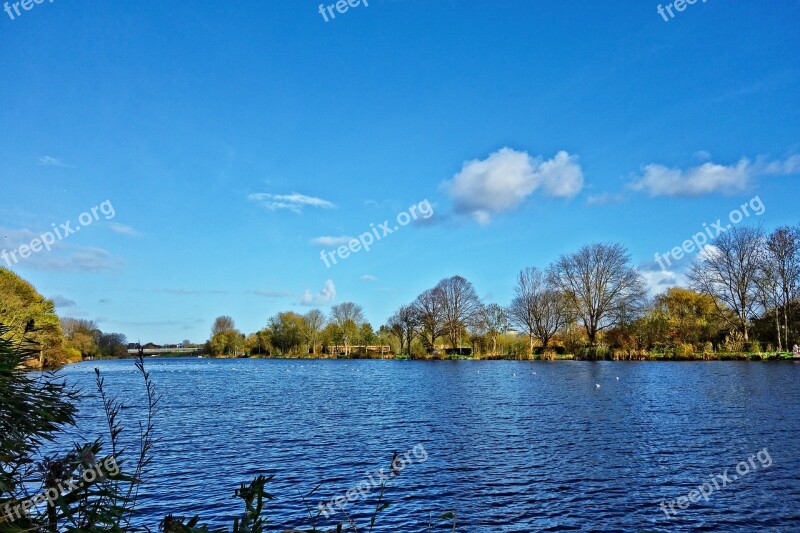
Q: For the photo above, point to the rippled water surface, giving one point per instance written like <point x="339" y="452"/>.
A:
<point x="511" y="446"/>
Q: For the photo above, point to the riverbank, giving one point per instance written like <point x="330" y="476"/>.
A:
<point x="655" y="357"/>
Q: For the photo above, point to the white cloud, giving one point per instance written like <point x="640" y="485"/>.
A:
<point x="658" y="281"/>
<point x="123" y="229"/>
<point x="325" y="295"/>
<point x="604" y="198"/>
<point x="501" y="182"/>
<point x="367" y="277"/>
<point x="331" y="241"/>
<point x="292" y="202"/>
<point x="47" y="161"/>
<point x="60" y="258"/>
<point x="710" y="178"/>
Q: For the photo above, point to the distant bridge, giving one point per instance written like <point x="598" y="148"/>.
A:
<point x="161" y="351"/>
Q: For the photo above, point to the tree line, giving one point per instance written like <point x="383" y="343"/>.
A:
<point x="742" y="297"/>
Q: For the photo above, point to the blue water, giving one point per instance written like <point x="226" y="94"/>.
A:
<point x="510" y="446"/>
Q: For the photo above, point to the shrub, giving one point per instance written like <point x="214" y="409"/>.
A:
<point x="754" y="347"/>
<point x="708" y="348"/>
<point x="594" y="352"/>
<point x="734" y="343"/>
<point x="549" y="354"/>
<point x="684" y="351"/>
<point x="540" y="350"/>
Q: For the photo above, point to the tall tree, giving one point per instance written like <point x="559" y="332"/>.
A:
<point x="728" y="271"/>
<point x="495" y="322"/>
<point x="460" y="307"/>
<point x="314" y="322"/>
<point x="537" y="308"/>
<point x="688" y="316"/>
<point x="112" y="345"/>
<point x="23" y="308"/>
<point x="599" y="284"/>
<point x="286" y="331"/>
<point x="783" y="258"/>
<point x="349" y="317"/>
<point x="404" y="324"/>
<point x="430" y="312"/>
<point x="222" y="324"/>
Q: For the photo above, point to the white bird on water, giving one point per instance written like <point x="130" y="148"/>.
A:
<point x="597" y="385"/>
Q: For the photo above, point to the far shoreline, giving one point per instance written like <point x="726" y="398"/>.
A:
<point x="756" y="358"/>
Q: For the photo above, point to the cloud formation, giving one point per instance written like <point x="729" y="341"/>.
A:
<point x="123" y="229"/>
<point x="47" y="161"/>
<point x="62" y="302"/>
<point x="61" y="258"/>
<point x="325" y="295"/>
<point x="330" y="242"/>
<point x="291" y="202"/>
<point x="501" y="182"/>
<point x="710" y="178"/>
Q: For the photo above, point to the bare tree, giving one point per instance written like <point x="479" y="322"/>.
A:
<point x="460" y="306"/>
<point x="404" y="324"/>
<point x="537" y="307"/>
<point x="783" y="262"/>
<point x="71" y="326"/>
<point x="313" y="323"/>
<point x="222" y="324"/>
<point x="599" y="285"/>
<point x="349" y="317"/>
<point x="430" y="313"/>
<point x="495" y="323"/>
<point x="728" y="270"/>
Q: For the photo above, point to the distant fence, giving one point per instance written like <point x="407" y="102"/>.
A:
<point x="356" y="350"/>
<point x="159" y="351"/>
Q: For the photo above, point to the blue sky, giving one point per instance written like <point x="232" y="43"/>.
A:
<point x="228" y="136"/>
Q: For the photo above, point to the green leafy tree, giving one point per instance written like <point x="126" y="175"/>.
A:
<point x="286" y="332"/>
<point x="21" y="304"/>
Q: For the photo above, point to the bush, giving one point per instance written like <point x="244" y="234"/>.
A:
<point x="734" y="343"/>
<point x="754" y="347"/>
<point x="594" y="352"/>
<point x="540" y="350"/>
<point x="708" y="348"/>
<point x="684" y="351"/>
<point x="548" y="354"/>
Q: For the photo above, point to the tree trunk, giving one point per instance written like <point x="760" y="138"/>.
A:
<point x="786" y="321"/>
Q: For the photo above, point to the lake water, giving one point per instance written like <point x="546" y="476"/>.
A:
<point x="510" y="446"/>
